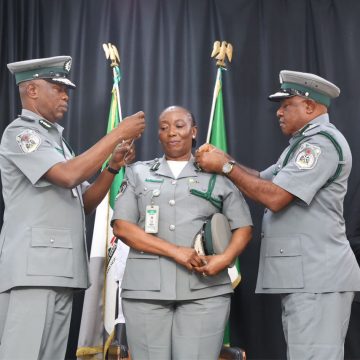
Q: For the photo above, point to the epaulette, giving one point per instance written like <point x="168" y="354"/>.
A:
<point x="311" y="129"/>
<point x="197" y="167"/>
<point x="154" y="164"/>
<point x="46" y="125"/>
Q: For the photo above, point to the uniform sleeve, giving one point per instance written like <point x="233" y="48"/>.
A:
<point x="126" y="206"/>
<point x="235" y="207"/>
<point x="268" y="173"/>
<point x="31" y="153"/>
<point x="313" y="163"/>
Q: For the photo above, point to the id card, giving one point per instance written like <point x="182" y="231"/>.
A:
<point x="152" y="219"/>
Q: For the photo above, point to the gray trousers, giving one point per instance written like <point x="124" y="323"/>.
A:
<point x="315" y="325"/>
<point x="177" y="330"/>
<point x="34" y="323"/>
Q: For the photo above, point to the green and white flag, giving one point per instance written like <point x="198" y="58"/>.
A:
<point x="217" y="134"/>
<point x="107" y="263"/>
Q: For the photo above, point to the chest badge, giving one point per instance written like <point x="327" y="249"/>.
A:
<point x="307" y="156"/>
<point x="28" y="140"/>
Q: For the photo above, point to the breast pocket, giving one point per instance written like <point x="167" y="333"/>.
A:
<point x="142" y="272"/>
<point x="283" y="264"/>
<point x="146" y="192"/>
<point x="50" y="253"/>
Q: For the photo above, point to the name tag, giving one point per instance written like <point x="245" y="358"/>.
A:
<point x="152" y="219"/>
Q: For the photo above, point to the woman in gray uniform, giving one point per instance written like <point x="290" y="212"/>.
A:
<point x="176" y="303"/>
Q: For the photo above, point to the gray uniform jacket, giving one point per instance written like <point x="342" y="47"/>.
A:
<point x="181" y="216"/>
<point x="304" y="247"/>
<point x="42" y="241"/>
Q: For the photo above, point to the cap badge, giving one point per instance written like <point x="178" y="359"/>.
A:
<point x="307" y="156"/>
<point x="67" y="65"/>
<point x="28" y="140"/>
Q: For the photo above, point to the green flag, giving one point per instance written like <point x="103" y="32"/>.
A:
<point x="218" y="139"/>
<point x="218" y="131"/>
<point x="100" y="324"/>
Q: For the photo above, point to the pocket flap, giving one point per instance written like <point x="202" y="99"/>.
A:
<point x="283" y="246"/>
<point x="47" y="237"/>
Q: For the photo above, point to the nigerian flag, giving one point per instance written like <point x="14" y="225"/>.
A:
<point x="102" y="311"/>
<point x="218" y="139"/>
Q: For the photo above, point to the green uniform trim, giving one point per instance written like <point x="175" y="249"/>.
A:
<point x="43" y="73"/>
<point x="312" y="94"/>
<point x="61" y="151"/>
<point x="207" y="195"/>
<point x="154" y="180"/>
<point x="334" y="142"/>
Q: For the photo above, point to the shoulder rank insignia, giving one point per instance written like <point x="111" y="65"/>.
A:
<point x="307" y="156"/>
<point x="122" y="189"/>
<point x="45" y="124"/>
<point x="28" y="140"/>
<point x="155" y="165"/>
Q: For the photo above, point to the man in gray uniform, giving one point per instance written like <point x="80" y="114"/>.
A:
<point x="305" y="255"/>
<point x="43" y="257"/>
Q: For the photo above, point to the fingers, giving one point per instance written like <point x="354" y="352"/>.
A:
<point x="133" y="126"/>
<point x="205" y="148"/>
<point x="129" y="157"/>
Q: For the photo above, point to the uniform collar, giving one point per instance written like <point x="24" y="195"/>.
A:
<point x="319" y="120"/>
<point x="31" y="116"/>
<point x="188" y="171"/>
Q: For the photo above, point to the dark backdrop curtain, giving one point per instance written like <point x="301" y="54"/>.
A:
<point x="165" y="48"/>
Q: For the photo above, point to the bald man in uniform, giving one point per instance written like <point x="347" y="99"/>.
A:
<point x="305" y="255"/>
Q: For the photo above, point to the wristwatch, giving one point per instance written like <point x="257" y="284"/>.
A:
<point x="228" y="166"/>
<point x="112" y="170"/>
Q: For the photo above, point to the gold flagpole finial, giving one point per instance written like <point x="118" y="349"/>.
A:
<point x="112" y="54"/>
<point x="222" y="51"/>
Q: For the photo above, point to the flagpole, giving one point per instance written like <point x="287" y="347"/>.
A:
<point x="216" y="91"/>
<point x="116" y="84"/>
<point x="111" y="346"/>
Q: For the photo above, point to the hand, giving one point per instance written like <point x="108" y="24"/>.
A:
<point x="212" y="265"/>
<point x="211" y="159"/>
<point x="132" y="126"/>
<point x="187" y="257"/>
<point x="124" y="153"/>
